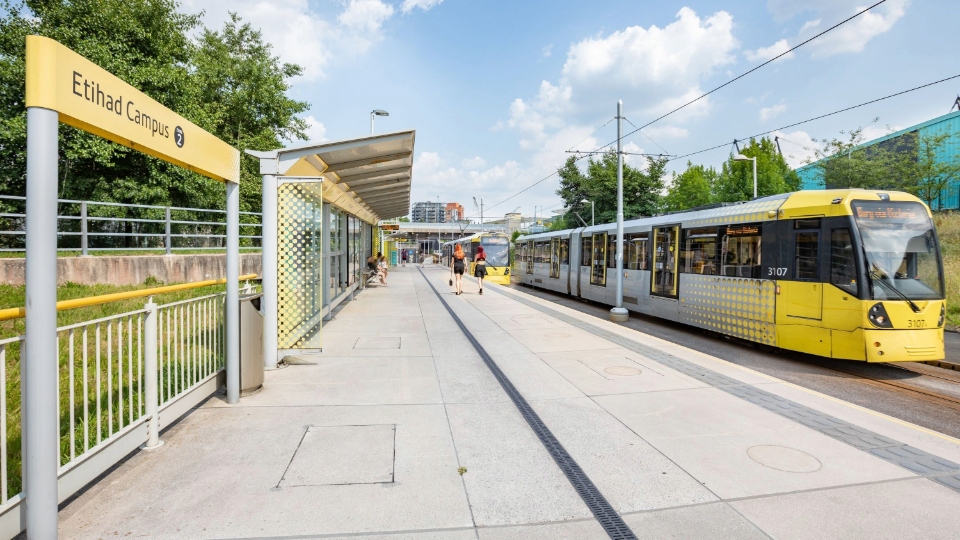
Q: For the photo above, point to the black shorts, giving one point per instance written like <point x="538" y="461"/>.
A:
<point x="480" y="271"/>
<point x="458" y="267"/>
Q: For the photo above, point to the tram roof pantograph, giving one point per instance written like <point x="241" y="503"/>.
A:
<point x="368" y="176"/>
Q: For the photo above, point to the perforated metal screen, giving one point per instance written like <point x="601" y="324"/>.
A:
<point x="299" y="265"/>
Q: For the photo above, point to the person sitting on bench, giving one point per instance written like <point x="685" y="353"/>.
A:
<point x="373" y="270"/>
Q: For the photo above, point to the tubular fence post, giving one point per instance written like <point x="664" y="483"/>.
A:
<point x="83" y="229"/>
<point x="168" y="243"/>
<point x="150" y="368"/>
<point x="232" y="311"/>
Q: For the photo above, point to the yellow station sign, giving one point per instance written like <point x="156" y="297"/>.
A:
<point x="89" y="98"/>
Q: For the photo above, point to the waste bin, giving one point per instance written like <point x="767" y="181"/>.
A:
<point x="251" y="344"/>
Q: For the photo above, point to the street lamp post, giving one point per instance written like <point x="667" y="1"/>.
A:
<point x="741" y="157"/>
<point x="618" y="313"/>
<point x="593" y="219"/>
<point x="373" y="114"/>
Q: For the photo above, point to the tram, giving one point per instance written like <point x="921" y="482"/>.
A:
<point x="497" y="247"/>
<point x="851" y="274"/>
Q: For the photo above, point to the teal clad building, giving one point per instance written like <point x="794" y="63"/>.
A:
<point x="812" y="178"/>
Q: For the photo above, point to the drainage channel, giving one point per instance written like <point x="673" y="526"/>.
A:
<point x="609" y="519"/>
<point x="920" y="462"/>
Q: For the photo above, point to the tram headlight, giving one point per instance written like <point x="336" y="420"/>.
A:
<point x="943" y="313"/>
<point x="506" y="272"/>
<point x="878" y="316"/>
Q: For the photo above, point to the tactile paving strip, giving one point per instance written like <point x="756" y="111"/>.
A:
<point x="609" y="519"/>
<point x="938" y="469"/>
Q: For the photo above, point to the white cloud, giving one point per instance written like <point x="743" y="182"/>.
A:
<point x="425" y="5"/>
<point x="666" y="132"/>
<point x="547" y="51"/>
<point x="871" y="132"/>
<point x="797" y="147"/>
<point x="316" y="131"/>
<point x="299" y="33"/>
<point x="473" y="163"/>
<point x="366" y="15"/>
<point x="767" y="113"/>
<point x="649" y="64"/>
<point x="852" y="36"/>
<point x="766" y="53"/>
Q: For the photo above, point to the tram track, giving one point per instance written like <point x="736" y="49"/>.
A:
<point x="944" y="399"/>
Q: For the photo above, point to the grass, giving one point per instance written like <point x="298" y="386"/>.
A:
<point x="118" y="404"/>
<point x="948" y="229"/>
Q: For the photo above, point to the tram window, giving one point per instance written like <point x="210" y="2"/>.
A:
<point x="564" y="251"/>
<point x="807" y="256"/>
<point x="699" y="254"/>
<point x="807" y="224"/>
<point x="740" y="256"/>
<point x="611" y="251"/>
<point x="538" y="252"/>
<point x="636" y="249"/>
<point x="843" y="270"/>
<point x="586" y="250"/>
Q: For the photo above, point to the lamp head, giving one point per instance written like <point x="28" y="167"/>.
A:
<point x="379" y="112"/>
<point x="584" y="201"/>
<point x="741" y="157"/>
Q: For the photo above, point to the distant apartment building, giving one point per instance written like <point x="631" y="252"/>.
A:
<point x="437" y="212"/>
<point x="454" y="212"/>
<point x="428" y="212"/>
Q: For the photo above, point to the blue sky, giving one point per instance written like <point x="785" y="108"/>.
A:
<point x="498" y="90"/>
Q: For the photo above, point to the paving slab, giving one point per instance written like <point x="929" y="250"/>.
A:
<point x="716" y="521"/>
<point x="570" y="530"/>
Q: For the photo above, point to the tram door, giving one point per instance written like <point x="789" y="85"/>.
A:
<point x="530" y="256"/>
<point x="664" y="282"/>
<point x="598" y="260"/>
<point x="555" y="258"/>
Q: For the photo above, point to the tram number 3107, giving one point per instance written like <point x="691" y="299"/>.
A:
<point x="916" y="323"/>
<point x="779" y="272"/>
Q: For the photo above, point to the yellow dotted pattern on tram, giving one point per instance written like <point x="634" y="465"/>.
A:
<point x="741" y="307"/>
<point x="299" y="261"/>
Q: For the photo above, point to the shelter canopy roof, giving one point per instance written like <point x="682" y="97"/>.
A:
<point x="371" y="173"/>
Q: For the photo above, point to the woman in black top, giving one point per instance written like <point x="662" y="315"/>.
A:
<point x="480" y="270"/>
<point x="458" y="265"/>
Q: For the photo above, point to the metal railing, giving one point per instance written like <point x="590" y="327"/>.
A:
<point x="122" y="378"/>
<point x="86" y="226"/>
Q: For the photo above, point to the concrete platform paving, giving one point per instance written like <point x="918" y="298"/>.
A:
<point x="399" y="430"/>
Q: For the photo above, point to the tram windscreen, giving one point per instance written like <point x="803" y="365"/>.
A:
<point x="497" y="249"/>
<point x="901" y="251"/>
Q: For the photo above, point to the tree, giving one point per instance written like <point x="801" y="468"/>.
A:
<point x="691" y="188"/>
<point x="641" y="189"/>
<point x="774" y="175"/>
<point x="847" y="164"/>
<point x="242" y="91"/>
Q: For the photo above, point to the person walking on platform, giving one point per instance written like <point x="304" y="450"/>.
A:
<point x="403" y="257"/>
<point x="480" y="270"/>
<point x="458" y="266"/>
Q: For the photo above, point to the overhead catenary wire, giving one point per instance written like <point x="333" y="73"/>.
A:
<point x="845" y="109"/>
<point x="788" y="51"/>
<point x="751" y="70"/>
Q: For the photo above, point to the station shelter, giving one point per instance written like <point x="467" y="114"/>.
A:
<point x="321" y="207"/>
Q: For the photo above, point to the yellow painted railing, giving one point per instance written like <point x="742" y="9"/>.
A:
<point x="18" y="312"/>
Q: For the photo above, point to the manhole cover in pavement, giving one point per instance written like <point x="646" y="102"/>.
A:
<point x="623" y="371"/>
<point x="377" y="343"/>
<point x="343" y="455"/>
<point x="784" y="459"/>
<point x="557" y="335"/>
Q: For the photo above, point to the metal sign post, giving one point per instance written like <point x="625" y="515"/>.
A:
<point x="62" y="86"/>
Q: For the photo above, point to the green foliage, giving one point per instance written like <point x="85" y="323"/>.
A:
<point x="691" y="188"/>
<point x="226" y="82"/>
<point x="641" y="189"/>
<point x="774" y="176"/>
<point x="514" y="236"/>
<point x="912" y="162"/>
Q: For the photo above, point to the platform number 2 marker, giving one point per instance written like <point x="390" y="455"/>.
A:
<point x="178" y="136"/>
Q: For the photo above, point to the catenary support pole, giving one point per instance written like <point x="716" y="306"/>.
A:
<point x="232" y="319"/>
<point x="754" y="177"/>
<point x="268" y="265"/>
<point x="40" y="372"/>
<point x="617" y="313"/>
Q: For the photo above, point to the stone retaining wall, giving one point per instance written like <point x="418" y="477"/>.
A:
<point x="133" y="270"/>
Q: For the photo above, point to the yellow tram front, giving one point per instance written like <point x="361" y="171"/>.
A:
<point x="496" y="247"/>
<point x="880" y="273"/>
